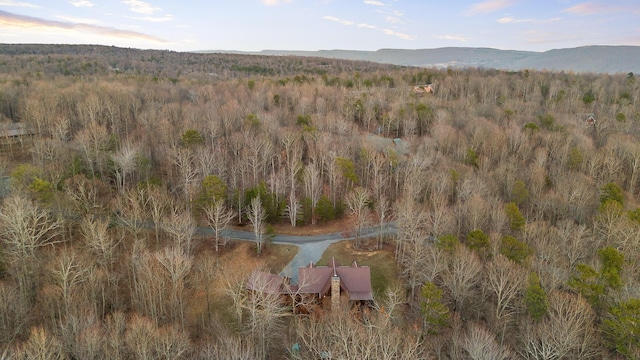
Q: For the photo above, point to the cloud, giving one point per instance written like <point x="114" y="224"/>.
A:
<point x="275" y="2"/>
<point x="393" y="20"/>
<point x="155" y="19"/>
<point x="82" y="3"/>
<point x="512" y="20"/>
<point x="141" y="7"/>
<point x="21" y="22"/>
<point x="400" y="35"/>
<point x="593" y="8"/>
<point x="348" y="22"/>
<point x="77" y="20"/>
<point x="488" y="7"/>
<point x="452" y="37"/>
<point x="341" y="21"/>
<point x="374" y="3"/>
<point x="16" y="3"/>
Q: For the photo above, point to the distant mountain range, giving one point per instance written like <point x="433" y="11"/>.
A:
<point x="586" y="59"/>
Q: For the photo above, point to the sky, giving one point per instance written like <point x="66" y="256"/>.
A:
<point x="254" y="25"/>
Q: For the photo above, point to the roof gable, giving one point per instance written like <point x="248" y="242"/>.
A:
<point x="267" y="283"/>
<point x="314" y="280"/>
<point x="354" y="279"/>
<point x="357" y="281"/>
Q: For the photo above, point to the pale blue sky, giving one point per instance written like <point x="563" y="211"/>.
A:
<point x="253" y="25"/>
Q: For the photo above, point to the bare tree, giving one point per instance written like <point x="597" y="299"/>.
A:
<point x="257" y="217"/>
<point x="293" y="209"/>
<point x="411" y="220"/>
<point x="206" y="160"/>
<point x="383" y="210"/>
<point x="98" y="240"/>
<point x="234" y="276"/>
<point x="266" y="311"/>
<point x="462" y="275"/>
<point x="40" y="345"/>
<point x="125" y="163"/>
<point x="114" y="335"/>
<point x="292" y="149"/>
<point x="93" y="141"/>
<point x="218" y="217"/>
<point x="140" y="338"/>
<point x="157" y="204"/>
<point x="379" y="174"/>
<point x="358" y="205"/>
<point x="177" y="265"/>
<point x="574" y="241"/>
<point x="566" y="332"/>
<point x="172" y="343"/>
<point x="476" y="212"/>
<point x="67" y="275"/>
<point x="439" y="216"/>
<point x="148" y="290"/>
<point x="82" y="336"/>
<point x="25" y="228"/>
<point x="421" y="262"/>
<point x="631" y="156"/>
<point x="131" y="212"/>
<point x="535" y="344"/>
<point x="88" y="196"/>
<point x="257" y="152"/>
<point x="230" y="346"/>
<point x="312" y="187"/>
<point x="480" y="344"/>
<point x="184" y="159"/>
<point x="180" y="225"/>
<point x="14" y="316"/>
<point x="506" y="280"/>
<point x="339" y="335"/>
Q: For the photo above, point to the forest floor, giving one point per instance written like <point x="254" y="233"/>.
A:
<point x="333" y="226"/>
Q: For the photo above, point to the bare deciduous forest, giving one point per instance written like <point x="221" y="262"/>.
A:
<point x="515" y="196"/>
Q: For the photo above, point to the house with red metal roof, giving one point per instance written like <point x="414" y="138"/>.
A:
<point x="341" y="283"/>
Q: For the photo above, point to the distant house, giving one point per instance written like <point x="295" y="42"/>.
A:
<point x="590" y="120"/>
<point x="424" y="89"/>
<point x="315" y="283"/>
<point x="14" y="130"/>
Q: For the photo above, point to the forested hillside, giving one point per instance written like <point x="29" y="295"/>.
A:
<point x="515" y="196"/>
<point x="584" y="59"/>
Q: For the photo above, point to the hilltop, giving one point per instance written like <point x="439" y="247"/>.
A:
<point x="586" y="59"/>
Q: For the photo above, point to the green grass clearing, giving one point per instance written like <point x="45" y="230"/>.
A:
<point x="384" y="271"/>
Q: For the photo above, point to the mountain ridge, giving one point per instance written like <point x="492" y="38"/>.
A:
<point x="585" y="59"/>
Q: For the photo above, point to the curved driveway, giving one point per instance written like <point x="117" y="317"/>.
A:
<point x="310" y="248"/>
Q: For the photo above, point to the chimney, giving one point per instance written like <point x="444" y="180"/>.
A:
<point x="335" y="292"/>
<point x="335" y="288"/>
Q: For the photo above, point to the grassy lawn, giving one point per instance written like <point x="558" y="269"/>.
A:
<point x="383" y="266"/>
<point x="276" y="257"/>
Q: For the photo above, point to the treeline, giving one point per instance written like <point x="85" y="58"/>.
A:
<point x="85" y="60"/>
<point x="517" y="214"/>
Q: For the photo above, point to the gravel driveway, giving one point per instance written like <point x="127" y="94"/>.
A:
<point x="310" y="248"/>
